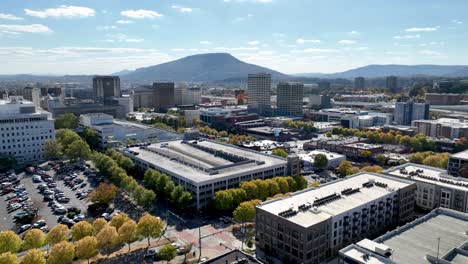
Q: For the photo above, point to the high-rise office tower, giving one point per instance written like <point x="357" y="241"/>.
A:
<point x="359" y="83"/>
<point x="106" y="87"/>
<point x="405" y="112"/>
<point x="392" y="84"/>
<point x="163" y="95"/>
<point x="259" y="92"/>
<point x="289" y="98"/>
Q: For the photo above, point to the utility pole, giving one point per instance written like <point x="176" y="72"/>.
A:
<point x="438" y="247"/>
<point x="199" y="243"/>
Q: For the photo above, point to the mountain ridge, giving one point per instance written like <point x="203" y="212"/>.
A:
<point x="201" y="67"/>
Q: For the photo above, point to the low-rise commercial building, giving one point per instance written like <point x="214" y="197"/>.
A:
<point x="456" y="161"/>
<point x="438" y="237"/>
<point x="112" y="132"/>
<point x="443" y="98"/>
<point x="352" y="147"/>
<point x="334" y="159"/>
<point x="434" y="188"/>
<point x="204" y="167"/>
<point x="24" y="129"/>
<point x="443" y="127"/>
<point x="312" y="225"/>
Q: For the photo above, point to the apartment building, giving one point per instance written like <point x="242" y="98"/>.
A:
<point x="312" y="225"/>
<point x="434" y="188"/>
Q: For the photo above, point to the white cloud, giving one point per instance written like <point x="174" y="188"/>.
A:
<point x="407" y="37"/>
<point x="421" y="29"/>
<point x="141" y="13"/>
<point x="456" y="21"/>
<point x="205" y="42"/>
<point x="125" y="22"/>
<point x="255" y="1"/>
<point x="314" y="50"/>
<point x="237" y="48"/>
<point x="430" y="52"/>
<point x="9" y="17"/>
<point x="106" y="27"/>
<point x="253" y="42"/>
<point x="363" y="48"/>
<point x="123" y="38"/>
<point x="33" y="28"/>
<point x="354" y="32"/>
<point x="303" y="41"/>
<point x="182" y="9"/>
<point x="62" y="11"/>
<point x="346" y="42"/>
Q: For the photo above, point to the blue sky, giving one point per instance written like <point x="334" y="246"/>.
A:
<point x="292" y="36"/>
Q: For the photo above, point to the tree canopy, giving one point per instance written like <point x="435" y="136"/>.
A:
<point x="67" y="120"/>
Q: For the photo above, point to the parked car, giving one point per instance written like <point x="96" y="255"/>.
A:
<point x="24" y="228"/>
<point x="39" y="223"/>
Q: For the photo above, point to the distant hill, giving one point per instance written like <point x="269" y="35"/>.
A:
<point x="122" y="72"/>
<point x="201" y="67"/>
<point x="374" y="71"/>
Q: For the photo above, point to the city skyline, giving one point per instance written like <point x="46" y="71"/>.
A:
<point x="101" y="37"/>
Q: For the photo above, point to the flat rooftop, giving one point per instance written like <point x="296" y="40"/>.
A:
<point x="205" y="160"/>
<point x="338" y="206"/>
<point x="460" y="155"/>
<point x="413" y="241"/>
<point x="428" y="174"/>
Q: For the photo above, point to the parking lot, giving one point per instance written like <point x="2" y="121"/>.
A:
<point x="48" y="194"/>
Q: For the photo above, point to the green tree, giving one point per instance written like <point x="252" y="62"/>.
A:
<point x="366" y="154"/>
<point x="86" y="248"/>
<point x="91" y="138"/>
<point x="301" y="182"/>
<point x="167" y="252"/>
<point x="149" y="227"/>
<point x="320" y="161"/>
<point x="34" y="256"/>
<point x="52" y="150"/>
<point x="127" y="232"/>
<point x="104" y="193"/>
<point x="118" y="220"/>
<point x="7" y="162"/>
<point x="375" y="169"/>
<point x="381" y="159"/>
<point x="280" y="153"/>
<point x="68" y="120"/>
<point x="246" y="211"/>
<point x="98" y="224"/>
<point x="81" y="229"/>
<point x="78" y="150"/>
<point x="65" y="137"/>
<point x="9" y="242"/>
<point x="34" y="238"/>
<point x="8" y="258"/>
<point x="251" y="189"/>
<point x="107" y="237"/>
<point x="57" y="234"/>
<point x="62" y="253"/>
<point x="223" y="200"/>
<point x="344" y="167"/>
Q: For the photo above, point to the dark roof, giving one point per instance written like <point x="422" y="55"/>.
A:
<point x="233" y="257"/>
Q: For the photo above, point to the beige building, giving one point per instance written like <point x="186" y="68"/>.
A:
<point x="259" y="92"/>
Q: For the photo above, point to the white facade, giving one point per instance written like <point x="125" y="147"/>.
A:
<point x="111" y="132"/>
<point x="334" y="159"/>
<point x="24" y="129"/>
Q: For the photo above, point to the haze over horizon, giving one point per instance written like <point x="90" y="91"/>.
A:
<point x="100" y="37"/>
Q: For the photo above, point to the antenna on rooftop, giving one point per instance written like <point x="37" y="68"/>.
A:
<point x="438" y="247"/>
